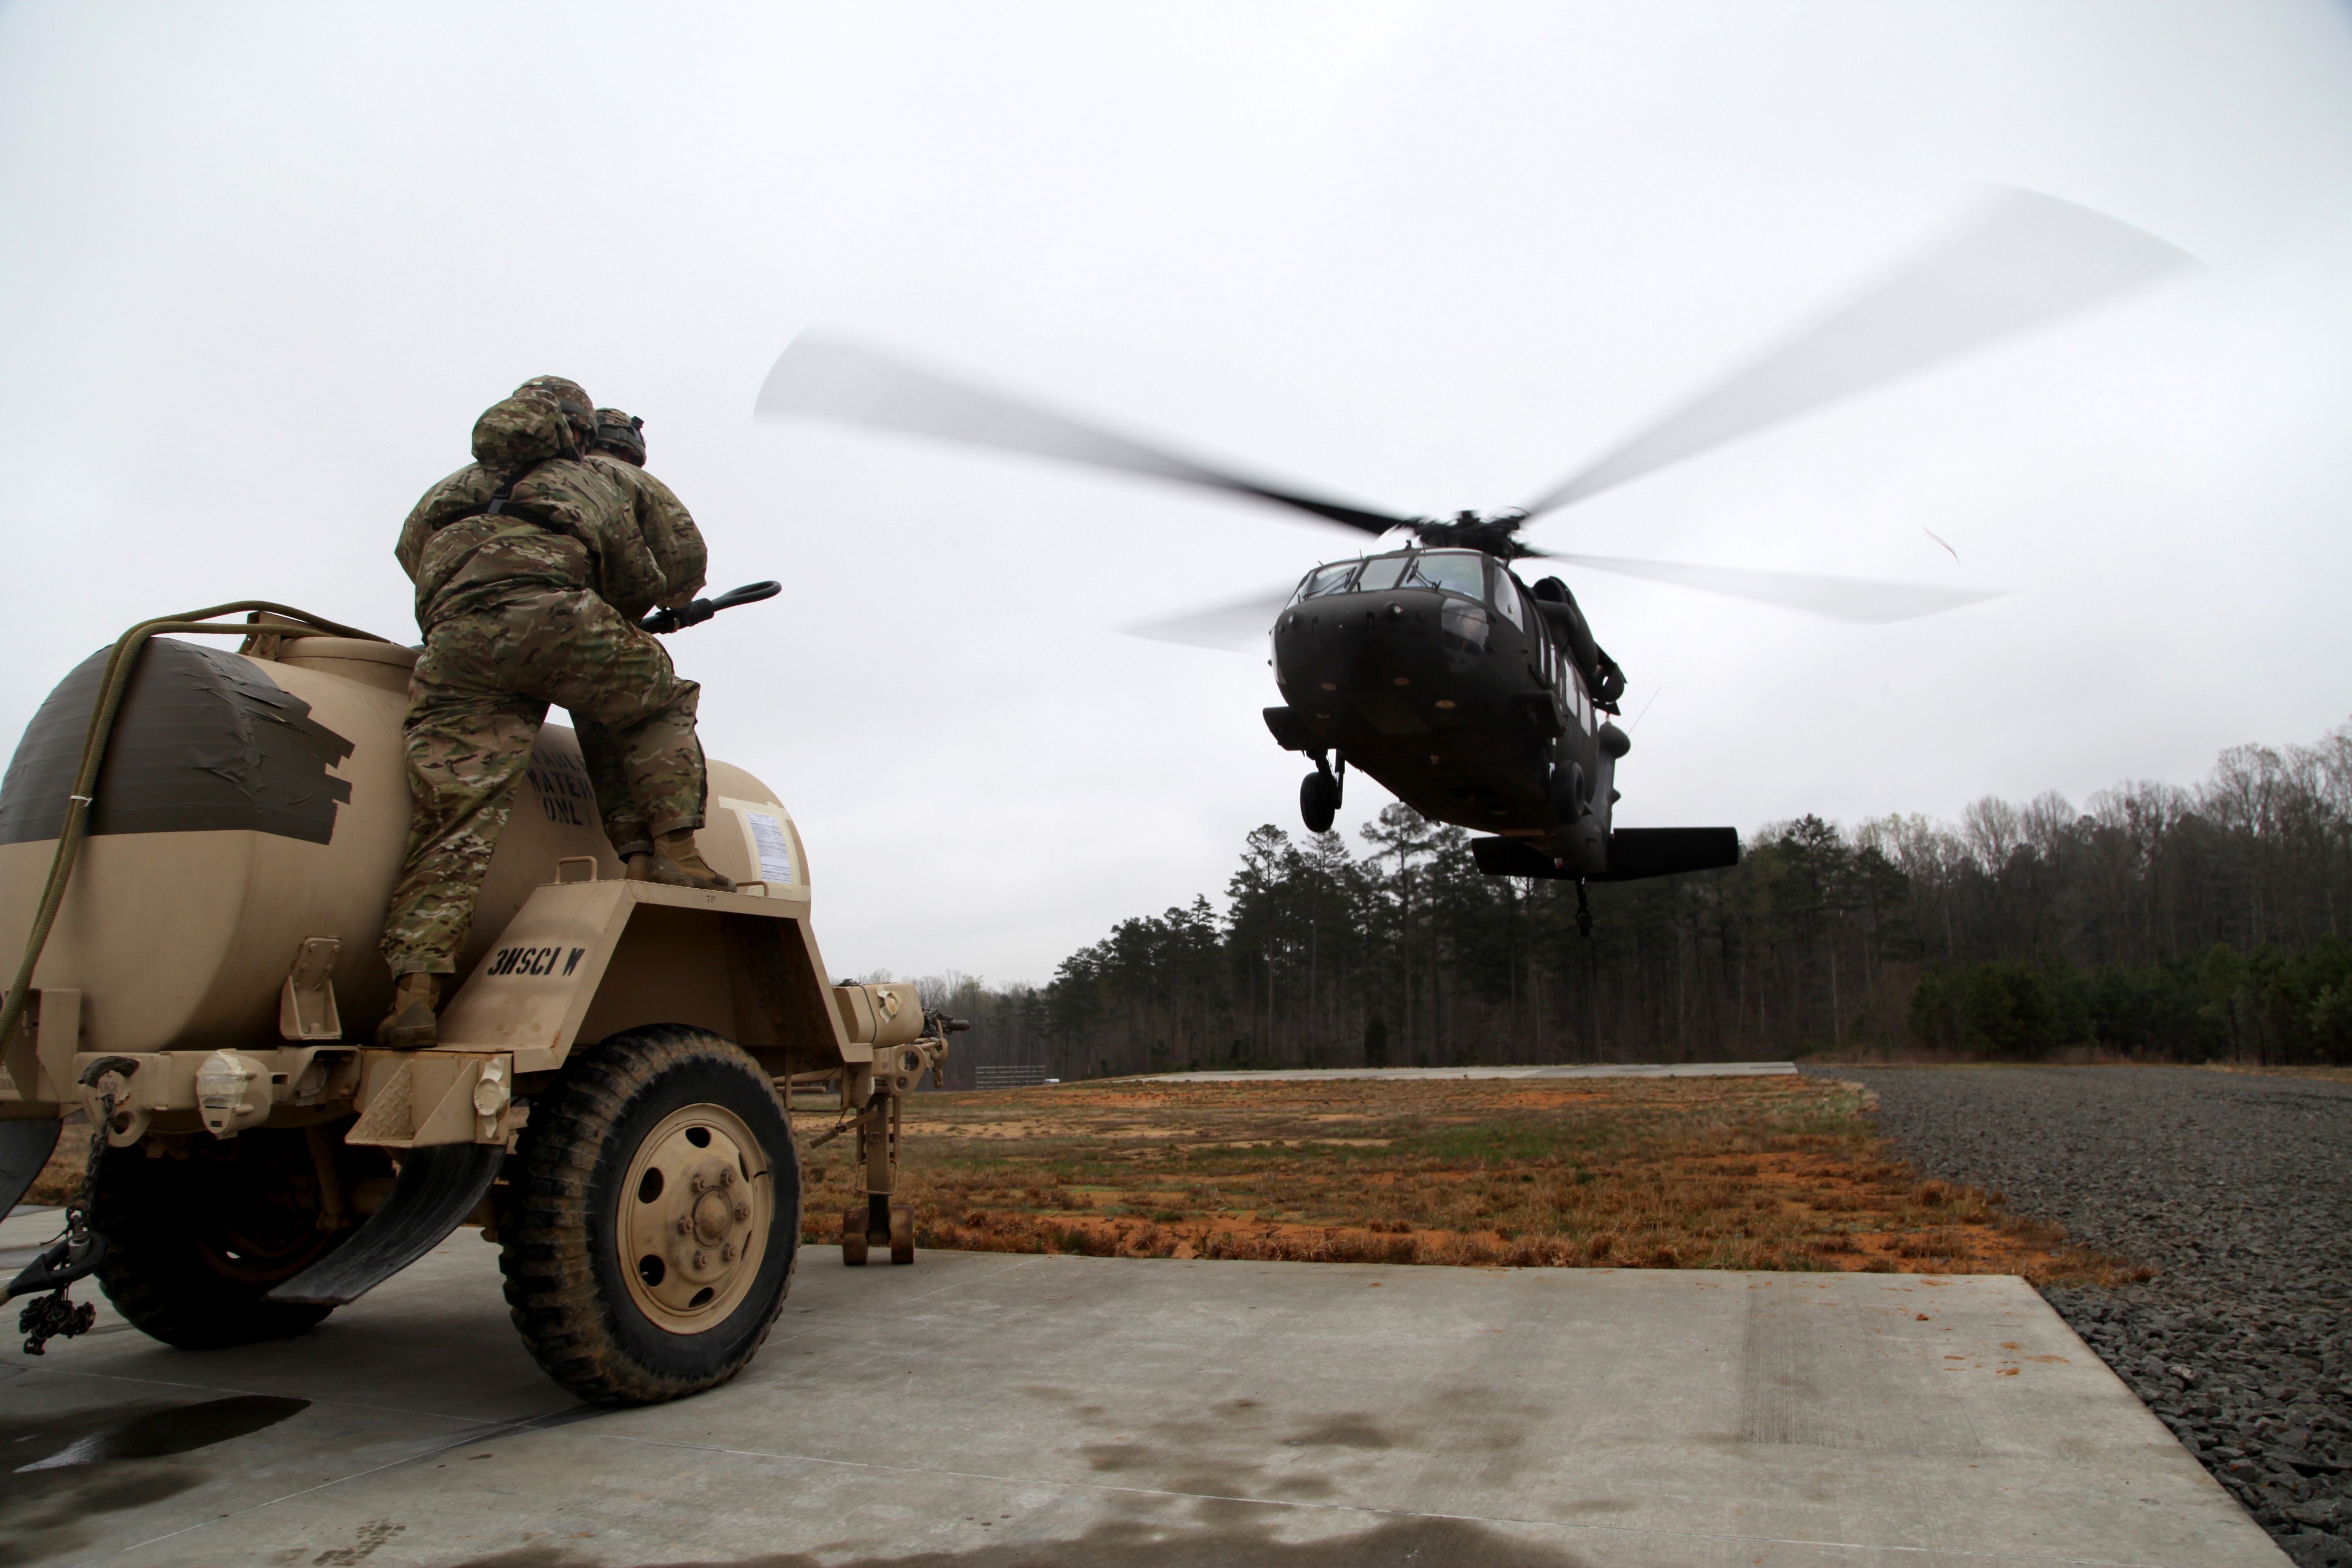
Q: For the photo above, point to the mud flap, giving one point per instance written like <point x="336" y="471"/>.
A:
<point x="24" y="1148"/>
<point x="439" y="1187"/>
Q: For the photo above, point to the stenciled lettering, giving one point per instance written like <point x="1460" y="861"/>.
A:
<point x="534" y="960"/>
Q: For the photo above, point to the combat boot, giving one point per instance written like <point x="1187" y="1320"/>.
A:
<point x="410" y="1025"/>
<point x="677" y="863"/>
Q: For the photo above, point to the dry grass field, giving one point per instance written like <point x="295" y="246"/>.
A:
<point x="1758" y="1173"/>
<point x="2317" y="1075"/>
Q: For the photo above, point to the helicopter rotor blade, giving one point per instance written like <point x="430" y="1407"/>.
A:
<point x="2021" y="259"/>
<point x="1859" y="599"/>
<point x="1228" y="625"/>
<point x="824" y="377"/>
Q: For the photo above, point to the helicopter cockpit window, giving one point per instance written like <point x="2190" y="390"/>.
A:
<point x="1507" y="597"/>
<point x="1456" y="571"/>
<point x="1329" y="580"/>
<point x="1381" y="572"/>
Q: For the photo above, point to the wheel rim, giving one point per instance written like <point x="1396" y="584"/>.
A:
<point x="696" y="1208"/>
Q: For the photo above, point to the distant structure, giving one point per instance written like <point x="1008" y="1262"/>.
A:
<point x="1016" y="1077"/>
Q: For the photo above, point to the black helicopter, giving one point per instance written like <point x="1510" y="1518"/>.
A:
<point x="1474" y="697"/>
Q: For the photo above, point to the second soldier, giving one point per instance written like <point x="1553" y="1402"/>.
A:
<point x="531" y="568"/>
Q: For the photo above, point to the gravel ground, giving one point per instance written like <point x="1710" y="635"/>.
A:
<point x="2239" y="1189"/>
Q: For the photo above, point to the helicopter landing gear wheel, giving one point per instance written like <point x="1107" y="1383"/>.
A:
<point x="902" y="1234"/>
<point x="651" y="1235"/>
<point x="1318" y="799"/>
<point x="1567" y="792"/>
<point x="852" y="1236"/>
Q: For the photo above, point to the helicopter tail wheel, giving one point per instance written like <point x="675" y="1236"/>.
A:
<point x="1319" y="800"/>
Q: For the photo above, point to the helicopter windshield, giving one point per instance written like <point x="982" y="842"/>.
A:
<point x="1456" y="571"/>
<point x="1460" y="572"/>
<point x="1506" y="596"/>
<point x="1329" y="580"/>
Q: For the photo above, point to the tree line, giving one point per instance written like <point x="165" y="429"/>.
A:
<point x="2157" y="920"/>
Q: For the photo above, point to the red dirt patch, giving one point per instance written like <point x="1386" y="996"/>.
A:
<point x="1778" y="1172"/>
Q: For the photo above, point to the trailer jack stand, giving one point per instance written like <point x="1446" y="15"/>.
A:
<point x="883" y="1221"/>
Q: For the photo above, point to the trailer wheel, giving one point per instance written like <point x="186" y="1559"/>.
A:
<point x="195" y="1245"/>
<point x="650" y="1233"/>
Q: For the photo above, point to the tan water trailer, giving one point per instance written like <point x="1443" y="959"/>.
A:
<point x="604" y="1101"/>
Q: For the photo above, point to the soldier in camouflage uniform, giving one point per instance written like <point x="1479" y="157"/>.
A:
<point x="529" y="573"/>
<point x="617" y="450"/>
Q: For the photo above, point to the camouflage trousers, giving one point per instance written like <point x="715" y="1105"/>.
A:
<point x="480" y="692"/>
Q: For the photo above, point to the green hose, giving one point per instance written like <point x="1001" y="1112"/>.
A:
<point x="120" y="666"/>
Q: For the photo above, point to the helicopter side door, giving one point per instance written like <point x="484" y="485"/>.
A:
<point x="1576" y="784"/>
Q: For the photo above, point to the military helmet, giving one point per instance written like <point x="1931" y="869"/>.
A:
<point x="621" y="434"/>
<point x="578" y="407"/>
<point x="523" y="429"/>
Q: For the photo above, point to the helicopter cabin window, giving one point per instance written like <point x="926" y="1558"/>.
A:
<point x="1455" y="570"/>
<point x="1381" y="572"/>
<point x="1507" y="597"/>
<point x="1327" y="580"/>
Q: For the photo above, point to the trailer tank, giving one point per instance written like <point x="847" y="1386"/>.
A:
<point x="608" y="1097"/>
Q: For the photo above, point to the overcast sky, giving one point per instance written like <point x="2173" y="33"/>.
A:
<point x="260" y="266"/>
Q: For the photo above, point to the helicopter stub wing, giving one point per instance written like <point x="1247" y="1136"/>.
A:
<point x="1635" y="854"/>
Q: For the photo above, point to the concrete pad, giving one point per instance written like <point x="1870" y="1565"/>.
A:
<point x="990" y="1411"/>
<point x="1578" y="1070"/>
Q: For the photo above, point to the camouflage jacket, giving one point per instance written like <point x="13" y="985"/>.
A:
<point x="565" y="525"/>
<point x="664" y="524"/>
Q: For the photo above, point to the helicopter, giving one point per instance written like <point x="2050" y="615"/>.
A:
<point x="1477" y="698"/>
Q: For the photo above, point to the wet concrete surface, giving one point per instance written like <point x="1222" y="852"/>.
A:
<point x="1556" y="1069"/>
<point x="2237" y="1189"/>
<point x="993" y="1411"/>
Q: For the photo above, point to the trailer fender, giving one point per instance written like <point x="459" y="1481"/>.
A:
<point x="584" y="960"/>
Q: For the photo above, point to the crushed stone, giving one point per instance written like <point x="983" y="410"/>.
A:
<point x="2237" y="1187"/>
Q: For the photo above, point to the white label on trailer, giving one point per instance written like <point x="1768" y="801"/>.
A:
<point x="774" y="845"/>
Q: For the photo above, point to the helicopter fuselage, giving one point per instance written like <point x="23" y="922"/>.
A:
<point x="1440" y="674"/>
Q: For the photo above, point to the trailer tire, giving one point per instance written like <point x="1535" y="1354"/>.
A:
<point x="653" y="1221"/>
<point x="193" y="1246"/>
